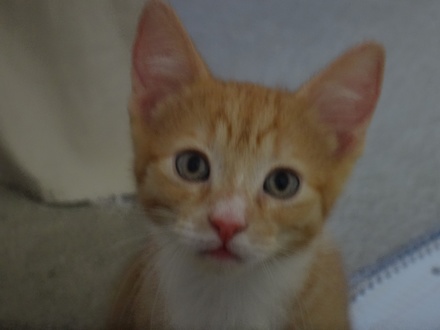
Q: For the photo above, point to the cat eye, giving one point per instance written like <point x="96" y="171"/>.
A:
<point x="281" y="183"/>
<point x="192" y="166"/>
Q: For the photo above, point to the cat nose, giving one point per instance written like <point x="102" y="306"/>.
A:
<point x="226" y="228"/>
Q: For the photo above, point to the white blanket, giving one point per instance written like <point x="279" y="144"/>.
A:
<point x="402" y="292"/>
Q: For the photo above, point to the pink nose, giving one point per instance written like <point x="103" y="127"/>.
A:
<point x="226" y="228"/>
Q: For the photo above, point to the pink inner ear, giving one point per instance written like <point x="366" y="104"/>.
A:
<point x="346" y="93"/>
<point x="152" y="64"/>
<point x="163" y="58"/>
<point x="347" y="104"/>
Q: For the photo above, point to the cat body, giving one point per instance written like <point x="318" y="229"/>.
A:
<point x="236" y="181"/>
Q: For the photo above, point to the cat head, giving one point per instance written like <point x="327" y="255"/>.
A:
<point x="234" y="172"/>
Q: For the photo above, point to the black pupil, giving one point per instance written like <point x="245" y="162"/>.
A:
<point x="194" y="163"/>
<point x="281" y="180"/>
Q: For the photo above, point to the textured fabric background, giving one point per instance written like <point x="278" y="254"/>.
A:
<point x="58" y="264"/>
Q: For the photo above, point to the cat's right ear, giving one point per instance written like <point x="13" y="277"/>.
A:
<point x="164" y="58"/>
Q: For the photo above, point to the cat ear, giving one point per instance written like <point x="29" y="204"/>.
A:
<point x="164" y="58"/>
<point x="345" y="94"/>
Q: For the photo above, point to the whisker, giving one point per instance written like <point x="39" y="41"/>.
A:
<point x="267" y="269"/>
<point x="176" y="251"/>
<point x="127" y="242"/>
<point x="156" y="297"/>
<point x="302" y="315"/>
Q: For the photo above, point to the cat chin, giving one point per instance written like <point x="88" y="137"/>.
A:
<point x="221" y="263"/>
<point x="220" y="267"/>
<point x="216" y="262"/>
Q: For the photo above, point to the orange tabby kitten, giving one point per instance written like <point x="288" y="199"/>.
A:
<point x="236" y="181"/>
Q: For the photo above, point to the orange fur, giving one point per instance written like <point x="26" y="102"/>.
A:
<point x="245" y="131"/>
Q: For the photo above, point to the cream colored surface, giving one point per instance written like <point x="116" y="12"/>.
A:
<point x="64" y="84"/>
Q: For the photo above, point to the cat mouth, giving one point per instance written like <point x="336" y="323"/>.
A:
<point x="222" y="253"/>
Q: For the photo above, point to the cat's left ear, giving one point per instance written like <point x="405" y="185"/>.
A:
<point x="345" y="94"/>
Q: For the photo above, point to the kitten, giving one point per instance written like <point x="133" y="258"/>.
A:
<point x="237" y="181"/>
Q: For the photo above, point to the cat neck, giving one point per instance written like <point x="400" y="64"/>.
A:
<point x="258" y="297"/>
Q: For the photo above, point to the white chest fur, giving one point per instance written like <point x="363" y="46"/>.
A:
<point x="256" y="298"/>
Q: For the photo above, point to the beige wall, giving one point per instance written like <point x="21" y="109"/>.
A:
<point x="64" y="84"/>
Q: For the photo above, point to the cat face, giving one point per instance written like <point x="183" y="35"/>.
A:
<point x="239" y="153"/>
<point x="238" y="174"/>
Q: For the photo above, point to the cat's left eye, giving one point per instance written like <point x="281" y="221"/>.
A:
<point x="192" y="166"/>
<point x="281" y="183"/>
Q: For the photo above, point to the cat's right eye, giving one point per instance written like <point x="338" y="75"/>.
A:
<point x="281" y="183"/>
<point x="192" y="166"/>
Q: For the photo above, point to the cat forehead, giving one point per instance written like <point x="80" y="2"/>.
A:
<point x="236" y="114"/>
<point x="246" y="118"/>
